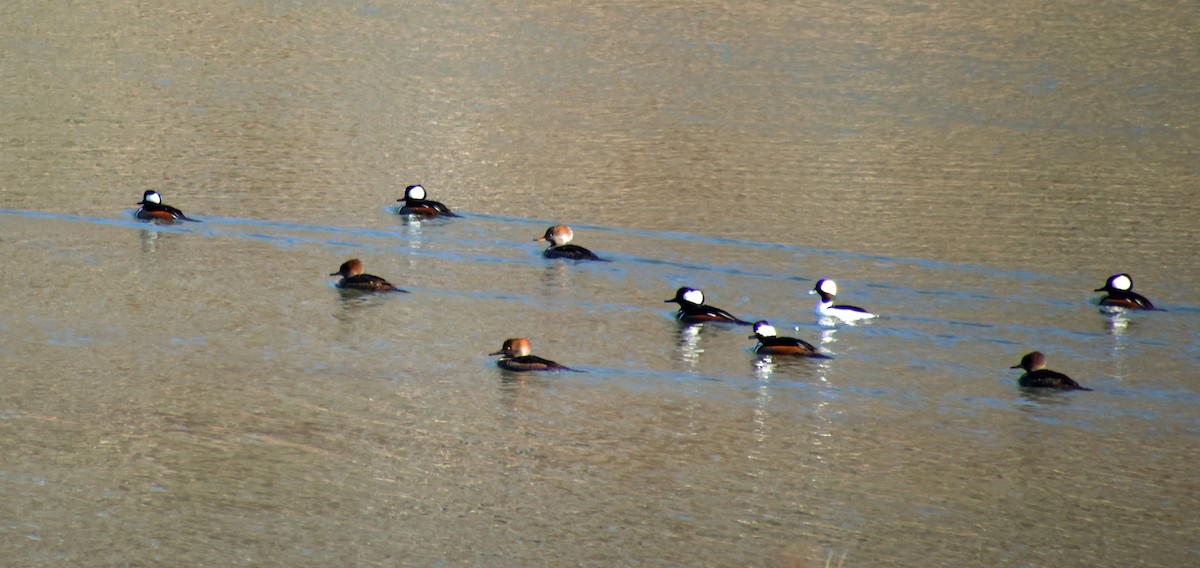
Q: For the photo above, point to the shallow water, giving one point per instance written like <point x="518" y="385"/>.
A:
<point x="200" y="394"/>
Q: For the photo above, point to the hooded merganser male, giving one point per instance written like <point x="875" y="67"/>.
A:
<point x="558" y="236"/>
<point x="515" y="356"/>
<point x="828" y="290"/>
<point x="1121" y="294"/>
<point x="152" y="209"/>
<point x="416" y="204"/>
<point x="693" y="310"/>
<point x="1038" y="376"/>
<point x="353" y="278"/>
<point x="771" y="344"/>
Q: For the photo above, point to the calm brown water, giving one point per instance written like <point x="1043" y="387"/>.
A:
<point x="199" y="395"/>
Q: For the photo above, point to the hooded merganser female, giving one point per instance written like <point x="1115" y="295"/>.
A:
<point x="515" y="356"/>
<point x="1038" y="376"/>
<point x="693" y="310"/>
<point x="416" y="204"/>
<point x="353" y="278"/>
<point x="771" y="344"/>
<point x="152" y="209"/>
<point x="828" y="290"/>
<point x="558" y="236"/>
<point x="1120" y="294"/>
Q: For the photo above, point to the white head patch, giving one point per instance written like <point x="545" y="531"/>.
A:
<point x="765" y="330"/>
<point x="1121" y="282"/>
<point x="153" y="197"/>
<point x="829" y="287"/>
<point x="694" y="296"/>
<point x="416" y="192"/>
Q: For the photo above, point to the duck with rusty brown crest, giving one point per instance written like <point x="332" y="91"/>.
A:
<point x="516" y="355"/>
<point x="353" y="278"/>
<point x="1038" y="376"/>
<point x="559" y="237"/>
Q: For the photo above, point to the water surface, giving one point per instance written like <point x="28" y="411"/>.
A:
<point x="200" y="394"/>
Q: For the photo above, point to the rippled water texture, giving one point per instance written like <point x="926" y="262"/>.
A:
<point x="201" y="395"/>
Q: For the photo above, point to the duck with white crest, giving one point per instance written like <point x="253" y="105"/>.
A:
<point x="827" y="289"/>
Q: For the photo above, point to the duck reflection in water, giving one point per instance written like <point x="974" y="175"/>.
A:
<point x="556" y="277"/>
<point x="514" y="391"/>
<point x="828" y="337"/>
<point x="351" y="302"/>
<point x="414" y="231"/>
<point x="414" y="228"/>
<point x="149" y="241"/>
<point x="766" y="367"/>
<point x="1117" y="323"/>
<point x="687" y="337"/>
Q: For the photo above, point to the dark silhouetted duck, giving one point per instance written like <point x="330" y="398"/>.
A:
<point x="1120" y="294"/>
<point x="515" y="356"/>
<point x="1038" y="376"/>
<point x="828" y="291"/>
<point x="152" y="209"/>
<point x="559" y="236"/>
<point x="416" y="204"/>
<point x="771" y="344"/>
<point x="353" y="278"/>
<point x="693" y="310"/>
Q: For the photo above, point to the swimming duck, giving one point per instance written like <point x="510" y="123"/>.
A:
<point x="1038" y="376"/>
<point x="559" y="236"/>
<point x="515" y="356"/>
<point x="693" y="310"/>
<point x="153" y="209"/>
<point x="771" y="344"/>
<point x="415" y="204"/>
<point x="827" y="289"/>
<point x="353" y="278"/>
<point x="1120" y="294"/>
